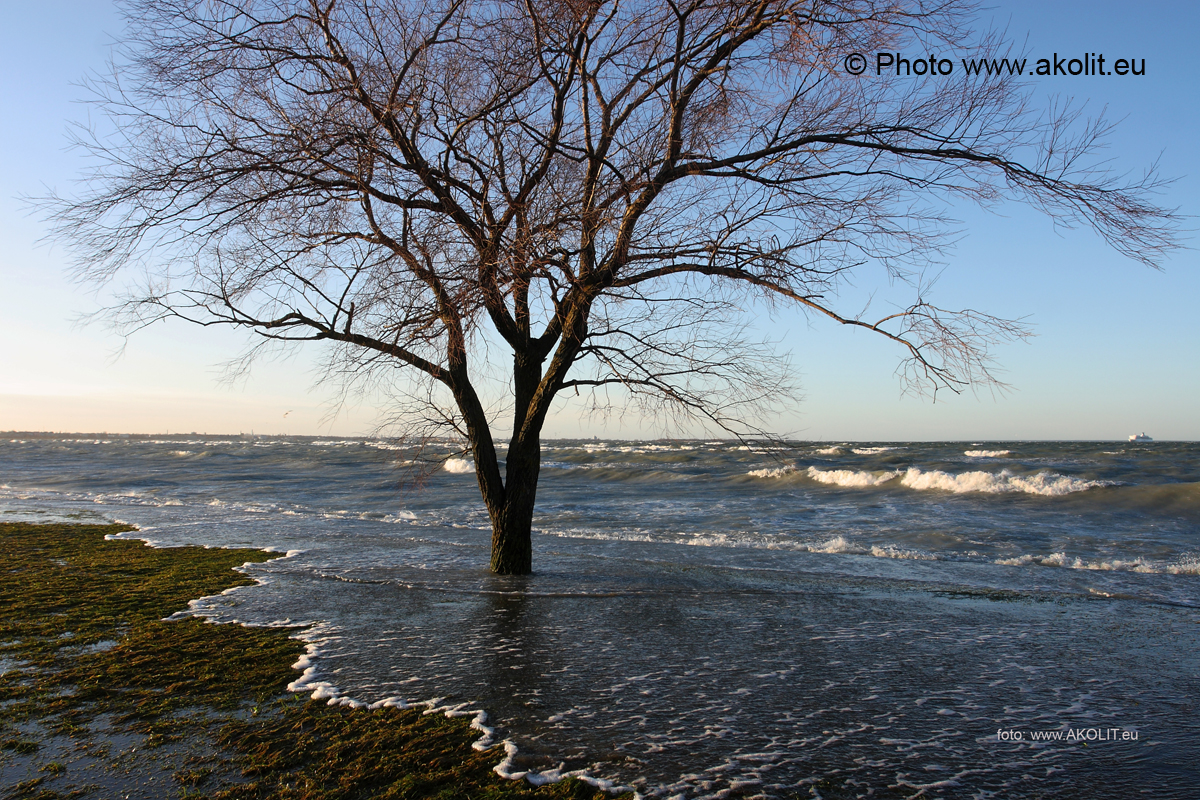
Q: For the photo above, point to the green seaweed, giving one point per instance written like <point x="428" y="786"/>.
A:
<point x="89" y="656"/>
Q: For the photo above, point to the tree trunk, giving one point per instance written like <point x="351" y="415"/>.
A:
<point x="512" y="522"/>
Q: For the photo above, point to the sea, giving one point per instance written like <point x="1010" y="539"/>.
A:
<point x="713" y="618"/>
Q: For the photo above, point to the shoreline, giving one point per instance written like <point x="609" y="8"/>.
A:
<point x="693" y="628"/>
<point x="102" y="693"/>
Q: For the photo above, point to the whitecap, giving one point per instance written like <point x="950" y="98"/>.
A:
<point x="771" y="472"/>
<point x="840" y="544"/>
<point x="1109" y="565"/>
<point x="1047" y="484"/>
<point x="985" y="453"/>
<point x="851" y="477"/>
<point x="1188" y="565"/>
<point x="458" y="466"/>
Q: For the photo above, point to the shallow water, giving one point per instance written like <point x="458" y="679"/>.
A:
<point x="713" y="618"/>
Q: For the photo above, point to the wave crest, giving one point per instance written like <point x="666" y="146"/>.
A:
<point x="840" y="544"/>
<point x="985" y="453"/>
<point x="458" y="466"/>
<point x="1047" y="484"/>
<point x="771" y="472"/>
<point x="851" y="477"/>
<point x="1186" y="566"/>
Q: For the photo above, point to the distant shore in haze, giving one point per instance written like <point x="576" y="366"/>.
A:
<point x="377" y="437"/>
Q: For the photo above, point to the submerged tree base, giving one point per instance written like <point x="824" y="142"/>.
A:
<point x="99" y="697"/>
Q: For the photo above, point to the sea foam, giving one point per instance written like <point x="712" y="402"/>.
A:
<point x="1048" y="484"/>
<point x="851" y="477"/>
<point x="840" y="544"/>
<point x="458" y="466"/>
<point x="1043" y="483"/>
<point x="771" y="472"/>
<point x="1183" y="567"/>
<point x="310" y="682"/>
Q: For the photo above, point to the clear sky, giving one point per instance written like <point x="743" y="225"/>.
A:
<point x="1117" y="349"/>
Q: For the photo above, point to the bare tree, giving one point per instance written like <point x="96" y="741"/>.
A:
<point x="597" y="189"/>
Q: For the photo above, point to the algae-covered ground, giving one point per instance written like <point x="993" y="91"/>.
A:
<point x="99" y="697"/>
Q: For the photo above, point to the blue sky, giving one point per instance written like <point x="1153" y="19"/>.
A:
<point x="1115" y="352"/>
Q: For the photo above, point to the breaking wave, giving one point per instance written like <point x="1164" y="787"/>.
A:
<point x="458" y="466"/>
<point x="840" y="544"/>
<point x="985" y="453"/>
<point x="1043" y="483"/>
<point x="1186" y="566"/>
<point x="771" y="472"/>
<point x="850" y="477"/>
<point x="1047" y="484"/>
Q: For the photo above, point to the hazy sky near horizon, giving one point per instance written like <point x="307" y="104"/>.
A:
<point x="1116" y="350"/>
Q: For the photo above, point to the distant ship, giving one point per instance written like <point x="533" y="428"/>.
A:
<point x="1140" y="437"/>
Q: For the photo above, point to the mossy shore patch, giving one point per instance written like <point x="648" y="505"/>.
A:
<point x="101" y="698"/>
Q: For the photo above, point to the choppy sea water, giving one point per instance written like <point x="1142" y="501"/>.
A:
<point x="714" y="619"/>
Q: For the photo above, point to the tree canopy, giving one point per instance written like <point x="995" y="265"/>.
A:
<point x="596" y="190"/>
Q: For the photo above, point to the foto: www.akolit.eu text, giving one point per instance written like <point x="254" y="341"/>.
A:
<point x="1069" y="735"/>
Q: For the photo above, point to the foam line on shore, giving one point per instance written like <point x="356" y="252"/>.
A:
<point x="311" y="683"/>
